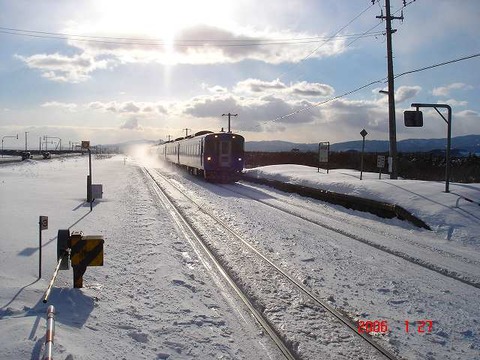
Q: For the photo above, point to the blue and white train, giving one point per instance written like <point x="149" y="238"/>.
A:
<point x="217" y="156"/>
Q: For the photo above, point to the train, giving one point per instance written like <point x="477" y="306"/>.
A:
<point x="217" y="156"/>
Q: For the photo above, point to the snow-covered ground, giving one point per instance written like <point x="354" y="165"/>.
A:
<point x="153" y="298"/>
<point x="448" y="214"/>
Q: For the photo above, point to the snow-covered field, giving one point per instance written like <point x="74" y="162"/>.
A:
<point x="153" y="298"/>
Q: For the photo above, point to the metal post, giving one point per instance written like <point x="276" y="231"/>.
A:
<point x="361" y="161"/>
<point x="89" y="180"/>
<point x="40" y="248"/>
<point x="363" y="133"/>
<point x="50" y="334"/>
<point x="449" y="136"/>
<point x="449" y="141"/>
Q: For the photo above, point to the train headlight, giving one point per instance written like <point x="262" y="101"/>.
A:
<point x="239" y="159"/>
<point x="209" y="158"/>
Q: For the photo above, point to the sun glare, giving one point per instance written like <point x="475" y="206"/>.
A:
<point x="160" y="19"/>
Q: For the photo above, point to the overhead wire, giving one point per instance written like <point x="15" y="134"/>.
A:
<point x="379" y="81"/>
<point x="328" y="40"/>
<point x="180" y="43"/>
<point x="405" y="4"/>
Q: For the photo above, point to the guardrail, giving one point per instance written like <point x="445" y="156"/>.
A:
<point x="49" y="335"/>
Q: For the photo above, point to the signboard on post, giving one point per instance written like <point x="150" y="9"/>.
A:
<point x="380" y="165"/>
<point x="42" y="225"/>
<point x="323" y="153"/>
<point x="363" y="133"/>
<point x="85" y="144"/>
<point x="380" y="161"/>
<point x="97" y="191"/>
<point x="43" y="222"/>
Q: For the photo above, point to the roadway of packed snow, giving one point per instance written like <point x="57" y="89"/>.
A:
<point x="153" y="298"/>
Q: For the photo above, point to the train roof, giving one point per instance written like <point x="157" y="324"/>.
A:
<point x="202" y="133"/>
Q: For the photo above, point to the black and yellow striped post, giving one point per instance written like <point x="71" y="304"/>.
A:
<point x="85" y="251"/>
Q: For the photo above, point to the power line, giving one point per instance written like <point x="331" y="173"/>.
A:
<point x="328" y="40"/>
<point x="379" y="81"/>
<point x="438" y="65"/>
<point x="180" y="43"/>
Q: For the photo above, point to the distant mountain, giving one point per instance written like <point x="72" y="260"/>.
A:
<point x="125" y="145"/>
<point x="465" y="144"/>
<point x="277" y="146"/>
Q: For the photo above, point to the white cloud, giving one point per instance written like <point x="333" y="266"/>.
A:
<point x="59" y="105"/>
<point x="128" y="107"/>
<point x="406" y="92"/>
<point x="312" y="89"/>
<point x="445" y="90"/>
<point x="217" y="89"/>
<point x="60" y="68"/>
<point x="198" y="44"/>
<point x="300" y="89"/>
<point x="453" y="102"/>
<point x="206" y="44"/>
<point x="257" y="86"/>
<point x="131" y="124"/>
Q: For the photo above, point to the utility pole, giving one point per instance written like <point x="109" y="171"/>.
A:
<point x="229" y="115"/>
<point x="391" y="89"/>
<point x="186" y="132"/>
<point x="26" y="140"/>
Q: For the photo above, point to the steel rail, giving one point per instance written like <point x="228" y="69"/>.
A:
<point x="432" y="267"/>
<point x="182" y="221"/>
<point x="338" y="315"/>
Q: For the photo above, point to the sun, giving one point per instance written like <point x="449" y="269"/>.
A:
<point x="160" y="19"/>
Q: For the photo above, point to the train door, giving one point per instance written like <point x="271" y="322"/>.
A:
<point x="225" y="155"/>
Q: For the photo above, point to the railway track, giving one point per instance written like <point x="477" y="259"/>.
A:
<point x="199" y="245"/>
<point x="414" y="260"/>
<point x="292" y="297"/>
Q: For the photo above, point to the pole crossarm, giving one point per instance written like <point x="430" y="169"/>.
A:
<point x="229" y="116"/>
